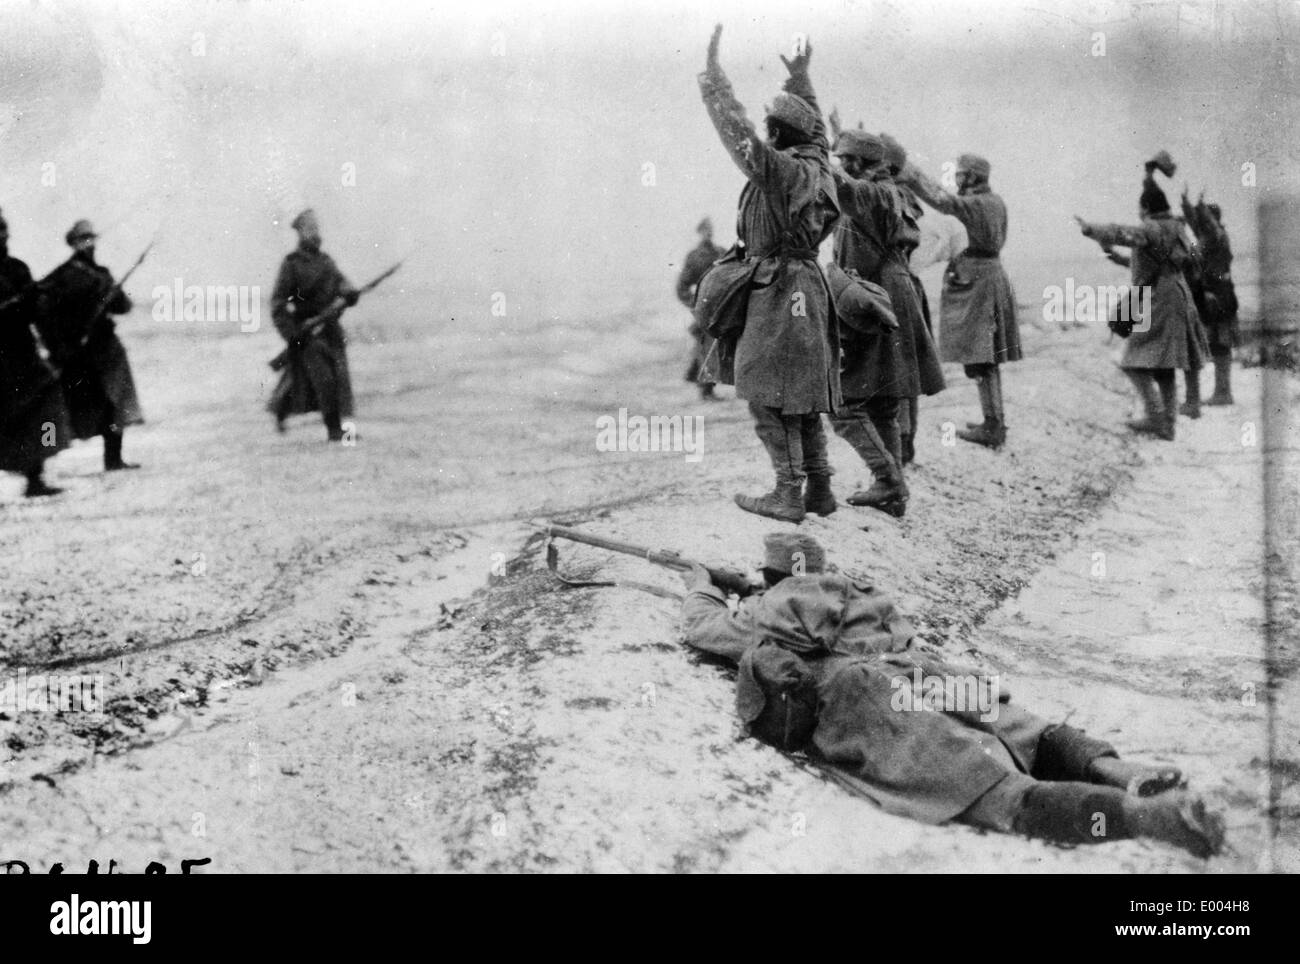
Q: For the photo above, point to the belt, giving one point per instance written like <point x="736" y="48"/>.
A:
<point x="979" y="253"/>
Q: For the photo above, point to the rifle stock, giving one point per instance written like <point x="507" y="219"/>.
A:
<point x="727" y="579"/>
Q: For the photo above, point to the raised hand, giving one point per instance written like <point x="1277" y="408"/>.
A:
<point x="712" y="62"/>
<point x="799" y="63"/>
<point x="834" y="120"/>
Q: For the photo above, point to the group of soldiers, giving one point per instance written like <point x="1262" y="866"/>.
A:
<point x="1191" y="309"/>
<point x="770" y="321"/>
<point x="820" y="655"/>
<point x="80" y="385"/>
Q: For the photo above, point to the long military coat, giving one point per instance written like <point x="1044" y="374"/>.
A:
<point x="977" y="311"/>
<point x="928" y="764"/>
<point x="94" y="369"/>
<point x="1218" y="301"/>
<point x="787" y="356"/>
<point x="1159" y="253"/>
<point x="33" y="417"/>
<point x="902" y="363"/>
<point x="317" y="376"/>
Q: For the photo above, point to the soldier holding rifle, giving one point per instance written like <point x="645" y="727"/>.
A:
<point x="310" y="293"/>
<point x="76" y="299"/>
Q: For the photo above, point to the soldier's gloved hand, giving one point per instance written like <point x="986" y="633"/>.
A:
<point x="697" y="577"/>
<point x="798" y="64"/>
<point x="351" y="298"/>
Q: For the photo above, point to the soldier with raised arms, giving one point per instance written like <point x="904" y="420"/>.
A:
<point x="784" y="361"/>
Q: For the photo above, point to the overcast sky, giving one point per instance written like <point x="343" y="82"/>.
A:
<point x="562" y="147"/>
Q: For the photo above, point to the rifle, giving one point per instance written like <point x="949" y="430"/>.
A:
<point x="333" y="312"/>
<point x="726" y="579"/>
<point x="35" y="394"/>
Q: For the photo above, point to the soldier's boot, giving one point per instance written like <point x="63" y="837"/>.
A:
<point x="907" y="430"/>
<point x="1153" y="420"/>
<point x="113" y="461"/>
<point x="707" y="393"/>
<point x="1192" y="407"/>
<point x="1136" y="779"/>
<point x="692" y="370"/>
<point x="1177" y="818"/>
<point x="334" y="427"/>
<point x="1222" y="381"/>
<point x="992" y="432"/>
<point x="817" y="495"/>
<point x="36" y="484"/>
<point x="784" y="502"/>
<point x="889" y="497"/>
<point x="1168" y="404"/>
<point x="877" y="443"/>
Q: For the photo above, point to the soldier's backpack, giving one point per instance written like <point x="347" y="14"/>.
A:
<point x="776" y="696"/>
<point x="863" y="305"/>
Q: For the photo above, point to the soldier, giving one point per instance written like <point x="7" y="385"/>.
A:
<point x="1159" y="342"/>
<point x="908" y="240"/>
<point x="878" y="368"/>
<point x="697" y="262"/>
<point x="33" y="417"/>
<point x="828" y="666"/>
<point x="786" y="358"/>
<point x="76" y="299"/>
<point x="1218" y="305"/>
<point x="306" y="303"/>
<point x="977" y="314"/>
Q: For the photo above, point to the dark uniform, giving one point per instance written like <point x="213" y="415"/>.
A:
<point x="1161" y="342"/>
<point x="786" y="359"/>
<point x="76" y="300"/>
<point x="977" y="314"/>
<point x="988" y="762"/>
<point x="33" y="417"/>
<point x="880" y="371"/>
<point x="697" y="262"/>
<point x="1217" y="303"/>
<point x="316" y="378"/>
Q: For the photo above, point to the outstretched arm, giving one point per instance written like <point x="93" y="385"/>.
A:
<point x="1107" y="235"/>
<point x="800" y="84"/>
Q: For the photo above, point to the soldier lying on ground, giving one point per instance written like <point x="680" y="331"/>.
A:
<point x="828" y="665"/>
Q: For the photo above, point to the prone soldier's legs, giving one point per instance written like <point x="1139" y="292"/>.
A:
<point x="1072" y="812"/>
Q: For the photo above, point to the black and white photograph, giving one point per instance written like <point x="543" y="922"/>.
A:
<point x="561" y="437"/>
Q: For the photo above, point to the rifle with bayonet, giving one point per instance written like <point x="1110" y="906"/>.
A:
<point x="729" y="580"/>
<point x="313" y="326"/>
<point x="55" y="371"/>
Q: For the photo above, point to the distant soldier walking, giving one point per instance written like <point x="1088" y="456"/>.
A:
<point x="784" y="359"/>
<point x="1159" y="342"/>
<point x="306" y="304"/>
<point x="697" y="262"/>
<point x="977" y="313"/>
<point x="76" y="300"/>
<point x="1218" y="304"/>
<point x="33" y="417"/>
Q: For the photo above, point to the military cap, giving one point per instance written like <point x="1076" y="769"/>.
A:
<point x="869" y="147"/>
<point x="788" y="551"/>
<point x="794" y="111"/>
<point x="1165" y="163"/>
<point x="895" y="155"/>
<point x="975" y="164"/>
<point x="82" y="229"/>
<point x="304" y="217"/>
